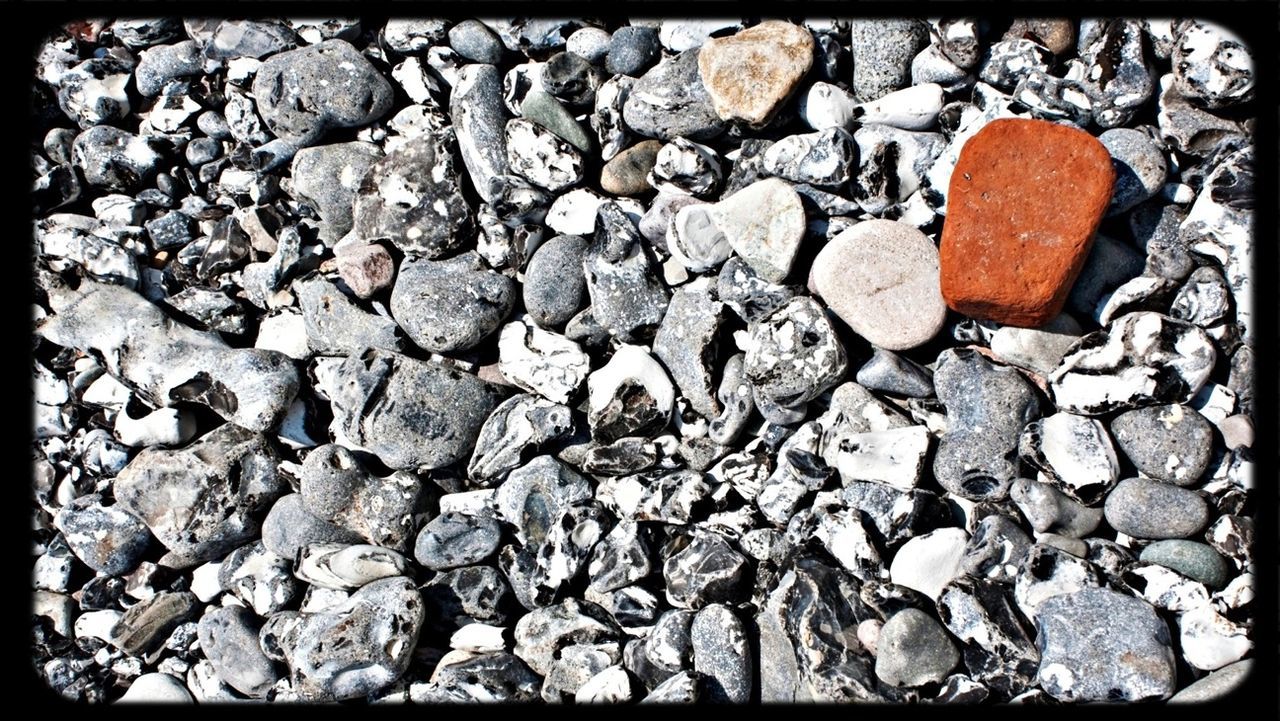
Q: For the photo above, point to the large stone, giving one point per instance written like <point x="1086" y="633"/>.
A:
<point x="1024" y="201"/>
<point x="1100" y="645"/>
<point x="412" y="197"/>
<point x="750" y="74"/>
<point x="881" y="277"/>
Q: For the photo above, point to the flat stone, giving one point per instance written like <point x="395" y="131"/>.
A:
<point x="479" y="119"/>
<point x="722" y="652"/>
<point x="881" y="277"/>
<point x="1216" y="685"/>
<point x="327" y="178"/>
<point x="927" y="563"/>
<point x="1036" y="349"/>
<point x="764" y="223"/>
<point x="750" y="74"/>
<point x="1048" y="186"/>
<point x="1100" y="645"/>
<point x="229" y="639"/>
<point x="1150" y="509"/>
<point x="544" y="109"/>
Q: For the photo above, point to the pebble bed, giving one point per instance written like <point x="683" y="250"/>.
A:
<point x="880" y="360"/>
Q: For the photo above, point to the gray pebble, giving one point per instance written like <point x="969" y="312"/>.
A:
<point x="1151" y="509"/>
<point x="1100" y="645"/>
<point x="1171" y="443"/>
<point x="882" y="51"/>
<point x="359" y="647"/>
<point x="627" y="298"/>
<point x="203" y="500"/>
<point x="632" y="50"/>
<point x="327" y="177"/>
<point x="451" y="540"/>
<point x="721" y="651"/>
<point x="479" y="118"/>
<point x="408" y="412"/>
<point x="474" y="41"/>
<point x="554" y="288"/>
<point x="160" y="64"/>
<point x="707" y="570"/>
<point x="1216" y="685"/>
<point x="913" y="649"/>
<point x="997" y="548"/>
<point x="450" y="305"/>
<point x="114" y="159"/>
<point x="336" y="325"/>
<point x="302" y="93"/>
<point x="337" y="488"/>
<point x="289" y="526"/>
<point x="987" y="408"/>
<point x="1049" y="510"/>
<point x="1140" y="166"/>
<point x="229" y="639"/>
<point x="686" y="345"/>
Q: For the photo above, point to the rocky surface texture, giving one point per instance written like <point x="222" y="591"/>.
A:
<point x="572" y="361"/>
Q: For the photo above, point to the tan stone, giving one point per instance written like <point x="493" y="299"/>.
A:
<point x="751" y="74"/>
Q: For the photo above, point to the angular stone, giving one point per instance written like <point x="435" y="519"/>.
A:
<point x="1046" y="186"/>
<point x="413" y="198"/>
<point x="205" y="499"/>
<point x="1140" y="359"/>
<point x="408" y="412"/>
<point x="686" y="345"/>
<point x="764" y="223"/>
<point x="881" y="277"/>
<point x="327" y="178"/>
<point x="1074" y="453"/>
<point x="517" y="426"/>
<point x="722" y="652"/>
<point x="540" y="361"/>
<point x="749" y="75"/>
<point x="794" y="354"/>
<point x="479" y="119"/>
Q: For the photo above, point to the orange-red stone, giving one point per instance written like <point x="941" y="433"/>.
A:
<point x="1025" y="199"/>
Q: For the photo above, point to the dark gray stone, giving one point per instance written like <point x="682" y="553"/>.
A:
<point x="451" y="540"/>
<point x="882" y="51"/>
<point x="987" y="408"/>
<point x="337" y="488"/>
<point x="628" y="299"/>
<point x="205" y="499"/>
<point x="413" y="198"/>
<point x="229" y="639"/>
<point x="889" y="372"/>
<point x="302" y="93"/>
<point x="337" y="326"/>
<point x="706" y="570"/>
<point x="632" y="50"/>
<point x="410" y="413"/>
<point x="554" y="286"/>
<point x="450" y="305"/>
<point x="328" y="177"/>
<point x="289" y="526"/>
<point x="722" y="652"/>
<point x="474" y="41"/>
<point x="479" y="118"/>
<point x="670" y="101"/>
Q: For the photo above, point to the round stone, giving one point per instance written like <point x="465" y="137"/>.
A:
<point x="451" y="540"/>
<point x="450" y="305"/>
<point x="881" y="278"/>
<point x="632" y="50"/>
<point x="1171" y="443"/>
<point x="1140" y="167"/>
<point x="913" y="649"/>
<point x="1150" y="509"/>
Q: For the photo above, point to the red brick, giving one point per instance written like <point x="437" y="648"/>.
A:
<point x="1024" y="202"/>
